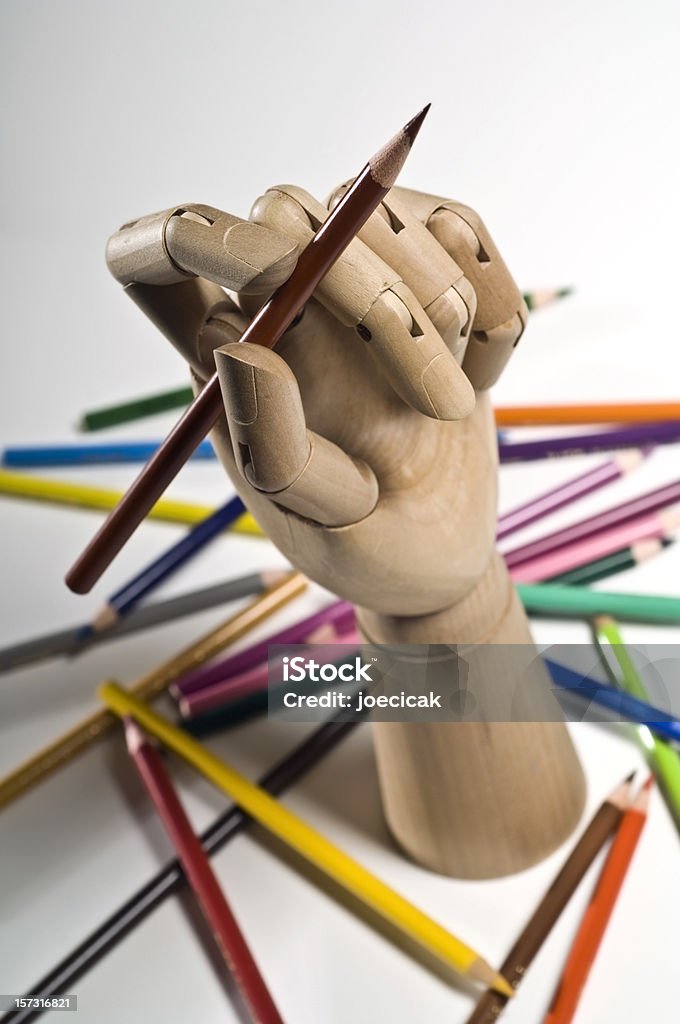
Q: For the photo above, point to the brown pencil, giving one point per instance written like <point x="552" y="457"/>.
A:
<point x="148" y="686"/>
<point x="201" y="878"/>
<point x="602" y="825"/>
<point x="332" y="238"/>
<point x="596" y="918"/>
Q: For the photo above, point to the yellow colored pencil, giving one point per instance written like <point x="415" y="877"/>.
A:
<point x="22" y="485"/>
<point x="301" y="837"/>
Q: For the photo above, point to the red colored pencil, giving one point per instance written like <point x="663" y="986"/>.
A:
<point x="201" y="878"/>
<point x="596" y="917"/>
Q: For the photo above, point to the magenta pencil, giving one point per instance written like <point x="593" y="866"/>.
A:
<point x="201" y="878"/>
<point x="656" y="526"/>
<point x="337" y="614"/>
<point x="256" y="679"/>
<point x="643" y="505"/>
<point x="568" y="492"/>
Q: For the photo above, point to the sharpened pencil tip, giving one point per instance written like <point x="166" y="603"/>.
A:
<point x="413" y="127"/>
<point x="134" y="737"/>
<point x="502" y="985"/>
<point x="629" y="778"/>
<point x="385" y="165"/>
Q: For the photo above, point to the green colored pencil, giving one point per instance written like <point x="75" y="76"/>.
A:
<point x="610" y="565"/>
<point x="539" y="299"/>
<point x="664" y="759"/>
<point x="136" y="409"/>
<point x="569" y="602"/>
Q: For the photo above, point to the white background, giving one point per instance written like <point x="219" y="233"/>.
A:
<point x="559" y="124"/>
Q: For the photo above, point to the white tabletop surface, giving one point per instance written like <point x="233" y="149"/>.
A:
<point x="559" y="124"/>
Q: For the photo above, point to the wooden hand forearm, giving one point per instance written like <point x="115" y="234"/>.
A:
<point x="447" y="787"/>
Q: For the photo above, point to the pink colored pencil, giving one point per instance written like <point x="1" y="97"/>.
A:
<point x="340" y="613"/>
<point x="657" y="526"/>
<point x="201" y="878"/>
<point x="569" y="492"/>
<point x="256" y="679"/>
<point x="643" y="505"/>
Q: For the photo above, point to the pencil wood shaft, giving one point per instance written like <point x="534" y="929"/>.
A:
<point x="171" y="878"/>
<point x="202" y="879"/>
<point x="149" y="686"/>
<point x="331" y="239"/>
<point x="304" y="839"/>
<point x="596" y="918"/>
<point x="60" y="492"/>
<point x="614" y="412"/>
<point x="662" y="756"/>
<point x="540" y="924"/>
<point x="72" y="641"/>
<point x="136" y="408"/>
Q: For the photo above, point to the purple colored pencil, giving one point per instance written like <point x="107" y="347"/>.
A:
<point x="638" y="436"/>
<point x="652" y="501"/>
<point x="567" y="493"/>
<point x="339" y="614"/>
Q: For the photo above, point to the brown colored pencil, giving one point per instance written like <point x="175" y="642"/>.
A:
<point x="602" y="825"/>
<point x="201" y="878"/>
<point x="596" y="918"/>
<point x="148" y="686"/>
<point x="332" y="238"/>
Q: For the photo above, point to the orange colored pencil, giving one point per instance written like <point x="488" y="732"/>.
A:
<point x="598" y="412"/>
<point x="599" y="910"/>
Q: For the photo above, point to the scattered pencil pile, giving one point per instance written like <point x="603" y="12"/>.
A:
<point x="214" y="689"/>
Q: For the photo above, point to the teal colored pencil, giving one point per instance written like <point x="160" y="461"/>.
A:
<point x="569" y="602"/>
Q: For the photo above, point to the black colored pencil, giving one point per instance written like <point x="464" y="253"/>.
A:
<point x="171" y="878"/>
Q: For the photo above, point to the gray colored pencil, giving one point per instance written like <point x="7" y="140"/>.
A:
<point x="75" y="640"/>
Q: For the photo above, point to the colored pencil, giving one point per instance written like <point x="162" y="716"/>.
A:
<point x="267" y="327"/>
<point x="560" y="602"/>
<point x="338" y="615"/>
<point x="644" y="504"/>
<point x="305" y="840"/>
<point x="598" y="913"/>
<point x="575" y="415"/>
<point x="545" y="297"/>
<point x="638" y="436"/>
<point x="257" y="678"/>
<point x="171" y="879"/>
<point x="567" y="493"/>
<point x="202" y="879"/>
<point x="41" y="764"/>
<point x="656" y="526"/>
<point x="238" y="709"/>
<point x="136" y="409"/>
<point x="663" y="758"/>
<point x="622" y="703"/>
<point x="160" y="569"/>
<point x="77" y="639"/>
<point x="540" y="924"/>
<point x="58" y="492"/>
<point x="91" y="454"/>
<point x="611" y="565"/>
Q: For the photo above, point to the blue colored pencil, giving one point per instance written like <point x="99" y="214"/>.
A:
<point x="169" y="562"/>
<point x="624" y="704"/>
<point x="90" y="454"/>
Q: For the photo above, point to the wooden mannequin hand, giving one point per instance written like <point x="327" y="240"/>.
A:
<point x="359" y="444"/>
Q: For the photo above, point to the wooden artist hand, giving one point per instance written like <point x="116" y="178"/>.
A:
<point x="365" y="444"/>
